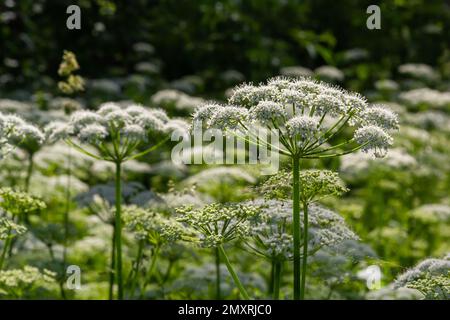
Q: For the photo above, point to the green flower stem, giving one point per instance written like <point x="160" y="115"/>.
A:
<point x="305" y="250"/>
<point x="271" y="277"/>
<point x="138" y="266"/>
<point x="217" y="256"/>
<point x="149" y="273"/>
<point x="112" y="265"/>
<point x="118" y="230"/>
<point x="5" y="249"/>
<point x="29" y="171"/>
<point x="296" y="225"/>
<point x="277" y="280"/>
<point x="233" y="274"/>
<point x="66" y="217"/>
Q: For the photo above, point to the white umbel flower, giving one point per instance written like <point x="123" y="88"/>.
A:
<point x="267" y="111"/>
<point x="93" y="133"/>
<point x="380" y="116"/>
<point x="303" y="126"/>
<point x="374" y="139"/>
<point x="228" y="117"/>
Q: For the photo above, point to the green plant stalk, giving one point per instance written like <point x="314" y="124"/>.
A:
<point x="30" y="168"/>
<point x="233" y="274"/>
<point x="66" y="219"/>
<point x="138" y="266"/>
<point x="271" y="277"/>
<point x="305" y="250"/>
<point x="277" y="280"/>
<point x="112" y="265"/>
<point x="5" y="249"/>
<point x="149" y="273"/>
<point x="217" y="256"/>
<point x="118" y="231"/>
<point x="296" y="225"/>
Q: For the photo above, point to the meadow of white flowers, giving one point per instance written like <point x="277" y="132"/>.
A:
<point x="362" y="182"/>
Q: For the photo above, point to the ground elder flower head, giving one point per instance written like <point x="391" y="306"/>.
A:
<point x="205" y="112"/>
<point x="267" y="111"/>
<point x="217" y="224"/>
<point x="308" y="114"/>
<point x="126" y="127"/>
<point x="431" y="277"/>
<point x="134" y="131"/>
<point x="10" y="229"/>
<point x="315" y="184"/>
<point x="177" y="125"/>
<point x="270" y="229"/>
<point x="81" y="119"/>
<point x="18" y="202"/>
<point x="242" y="95"/>
<point x="14" y="131"/>
<point x="153" y="227"/>
<point x="381" y="117"/>
<point x="303" y="126"/>
<point x="279" y="82"/>
<point x="290" y="96"/>
<point x="328" y="103"/>
<point x="373" y="139"/>
<point x="434" y="267"/>
<point x="107" y="108"/>
<point x="24" y="279"/>
<point x="228" y="117"/>
<point x="437" y="287"/>
<point x="93" y="133"/>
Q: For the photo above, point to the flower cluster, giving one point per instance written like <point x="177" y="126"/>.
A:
<point x="434" y="288"/>
<point x="9" y="228"/>
<point x="153" y="227"/>
<point x="68" y="66"/>
<point x="307" y="113"/>
<point x="15" y="280"/>
<point x="432" y="267"/>
<point x="17" y="202"/>
<point x="380" y="116"/>
<point x="16" y="131"/>
<point x="373" y="138"/>
<point x="219" y="223"/>
<point x="270" y="229"/>
<point x="431" y="277"/>
<point x="127" y="128"/>
<point x="314" y="184"/>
